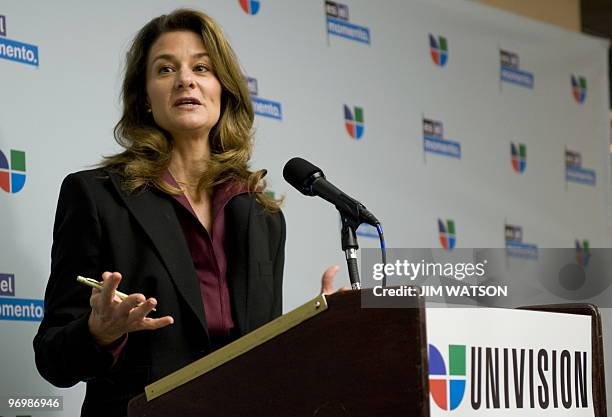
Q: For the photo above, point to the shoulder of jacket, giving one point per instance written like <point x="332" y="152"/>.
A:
<point x="89" y="175"/>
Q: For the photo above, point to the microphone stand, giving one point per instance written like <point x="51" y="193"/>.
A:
<point x="350" y="246"/>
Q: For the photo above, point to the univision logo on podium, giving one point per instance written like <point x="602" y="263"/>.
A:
<point x="447" y="388"/>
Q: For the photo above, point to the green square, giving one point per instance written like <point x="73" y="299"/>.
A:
<point x="270" y="194"/>
<point x="450" y="225"/>
<point x="18" y="162"/>
<point x="523" y="150"/>
<point x="456" y="357"/>
<point x="583" y="82"/>
<point x="443" y="45"/>
<point x="585" y="245"/>
<point x="359" y="114"/>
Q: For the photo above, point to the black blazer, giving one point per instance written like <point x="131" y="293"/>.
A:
<point x="99" y="227"/>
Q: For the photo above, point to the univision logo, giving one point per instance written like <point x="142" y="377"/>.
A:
<point x="13" y="50"/>
<point x="353" y="121"/>
<point x="447" y="234"/>
<point x="250" y="6"/>
<point x="447" y="387"/>
<point x="508" y="378"/>
<point x="337" y="17"/>
<point x="519" y="156"/>
<point x="583" y="253"/>
<point x="438" y="49"/>
<point x="13" y="176"/>
<point x="579" y="88"/>
<point x="262" y="106"/>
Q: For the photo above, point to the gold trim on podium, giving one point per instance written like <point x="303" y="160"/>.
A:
<point x="237" y="348"/>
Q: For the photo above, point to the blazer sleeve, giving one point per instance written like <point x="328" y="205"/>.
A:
<point x="65" y="352"/>
<point x="279" y="263"/>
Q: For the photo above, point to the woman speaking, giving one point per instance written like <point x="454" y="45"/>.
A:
<point x="198" y="245"/>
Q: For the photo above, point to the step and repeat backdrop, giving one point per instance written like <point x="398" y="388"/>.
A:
<point x="458" y="125"/>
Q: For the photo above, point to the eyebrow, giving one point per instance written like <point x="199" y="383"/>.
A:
<point x="171" y="57"/>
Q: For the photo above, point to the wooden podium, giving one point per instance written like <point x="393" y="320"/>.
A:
<point x="328" y="358"/>
<point x="343" y="360"/>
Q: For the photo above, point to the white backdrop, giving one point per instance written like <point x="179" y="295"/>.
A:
<point x="61" y="113"/>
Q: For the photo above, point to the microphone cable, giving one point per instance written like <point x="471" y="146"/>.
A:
<point x="383" y="250"/>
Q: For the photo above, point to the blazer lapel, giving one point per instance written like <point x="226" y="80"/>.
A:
<point x="237" y="220"/>
<point x="157" y="217"/>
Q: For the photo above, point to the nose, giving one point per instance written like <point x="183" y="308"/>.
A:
<point x="184" y="79"/>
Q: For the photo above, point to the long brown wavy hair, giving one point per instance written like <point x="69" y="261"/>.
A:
<point x="148" y="147"/>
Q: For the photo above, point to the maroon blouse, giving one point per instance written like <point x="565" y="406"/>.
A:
<point x="208" y="254"/>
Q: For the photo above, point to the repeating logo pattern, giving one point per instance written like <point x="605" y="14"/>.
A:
<point x="518" y="155"/>
<point x="261" y="106"/>
<point x="446" y="231"/>
<point x="17" y="51"/>
<point x="438" y="48"/>
<point x="447" y="388"/>
<point x="434" y="141"/>
<point x="575" y="172"/>
<point x="13" y="175"/>
<point x="515" y="247"/>
<point x="7" y="285"/>
<point x="511" y="72"/>
<point x="579" y="88"/>
<point x="249" y="6"/>
<point x="353" y="121"/>
<point x="17" y="309"/>
<point x="583" y="253"/>
<point x="337" y="19"/>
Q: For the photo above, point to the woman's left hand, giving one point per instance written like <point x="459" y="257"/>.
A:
<point x="327" y="281"/>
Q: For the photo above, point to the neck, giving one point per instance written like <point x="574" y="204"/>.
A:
<point x="189" y="159"/>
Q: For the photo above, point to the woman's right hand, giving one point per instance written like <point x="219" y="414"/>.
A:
<point x="112" y="317"/>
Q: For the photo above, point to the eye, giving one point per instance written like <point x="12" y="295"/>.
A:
<point x="164" y="69"/>
<point x="201" y="68"/>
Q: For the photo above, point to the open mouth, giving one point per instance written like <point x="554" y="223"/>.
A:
<point x="187" y="102"/>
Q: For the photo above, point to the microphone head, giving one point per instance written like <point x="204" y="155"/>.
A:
<point x="301" y="174"/>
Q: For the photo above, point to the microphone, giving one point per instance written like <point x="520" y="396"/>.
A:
<point x="310" y="180"/>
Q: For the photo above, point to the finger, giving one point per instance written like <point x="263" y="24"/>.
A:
<point x="152" y="324"/>
<point x="128" y="304"/>
<point x="109" y="286"/>
<point x="140" y="311"/>
<point x="327" y="280"/>
<point x="94" y="296"/>
<point x="343" y="289"/>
